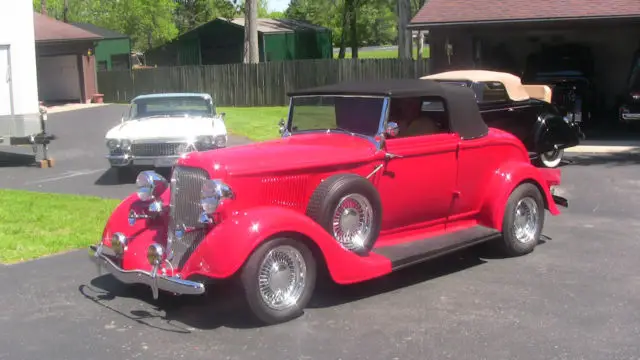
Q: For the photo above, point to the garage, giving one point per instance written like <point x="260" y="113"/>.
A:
<point x="59" y="78"/>
<point x="596" y="41"/>
<point x="64" y="60"/>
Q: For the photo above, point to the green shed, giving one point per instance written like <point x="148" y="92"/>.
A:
<point x="221" y="41"/>
<point x="113" y="52"/>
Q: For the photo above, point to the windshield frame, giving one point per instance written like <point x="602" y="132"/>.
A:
<point x="376" y="138"/>
<point x="211" y="112"/>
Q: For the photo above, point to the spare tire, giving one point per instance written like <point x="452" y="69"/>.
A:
<point x="348" y="206"/>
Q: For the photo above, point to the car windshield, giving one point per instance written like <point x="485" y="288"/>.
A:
<point x="354" y="114"/>
<point x="171" y="106"/>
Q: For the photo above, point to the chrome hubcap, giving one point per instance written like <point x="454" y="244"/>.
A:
<point x="526" y="220"/>
<point x="551" y="154"/>
<point x="352" y="221"/>
<point x="282" y="277"/>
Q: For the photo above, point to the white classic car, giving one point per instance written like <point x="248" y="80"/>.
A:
<point x="159" y="128"/>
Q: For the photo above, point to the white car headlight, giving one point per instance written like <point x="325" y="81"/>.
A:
<point x="150" y="185"/>
<point x="212" y="192"/>
<point x="206" y="140"/>
<point x="221" y="141"/>
<point x="125" y="144"/>
<point x="113" y="144"/>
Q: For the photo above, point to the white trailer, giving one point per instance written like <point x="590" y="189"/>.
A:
<point x="22" y="119"/>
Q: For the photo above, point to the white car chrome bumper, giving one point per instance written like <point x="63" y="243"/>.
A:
<point x="156" y="161"/>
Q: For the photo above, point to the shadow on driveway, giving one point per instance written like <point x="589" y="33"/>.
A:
<point x="223" y="305"/>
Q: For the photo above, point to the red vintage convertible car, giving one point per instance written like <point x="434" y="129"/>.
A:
<point x="368" y="178"/>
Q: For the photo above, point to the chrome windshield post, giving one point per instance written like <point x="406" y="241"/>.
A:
<point x="382" y="124"/>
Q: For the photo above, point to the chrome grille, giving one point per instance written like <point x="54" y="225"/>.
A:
<point x="158" y="149"/>
<point x="186" y="183"/>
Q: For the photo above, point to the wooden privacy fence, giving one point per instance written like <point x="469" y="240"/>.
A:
<point x="264" y="84"/>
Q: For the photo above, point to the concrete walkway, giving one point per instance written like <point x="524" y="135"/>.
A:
<point x="606" y="146"/>
<point x="74" y="106"/>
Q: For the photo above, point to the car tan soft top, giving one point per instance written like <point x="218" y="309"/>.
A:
<point x="513" y="85"/>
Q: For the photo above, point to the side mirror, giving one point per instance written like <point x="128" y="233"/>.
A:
<point x="282" y="126"/>
<point x="392" y="129"/>
<point x="223" y="114"/>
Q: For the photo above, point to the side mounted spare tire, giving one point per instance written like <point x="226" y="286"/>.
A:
<point x="348" y="206"/>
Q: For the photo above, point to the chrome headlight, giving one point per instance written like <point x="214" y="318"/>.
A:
<point x="118" y="243"/>
<point x="113" y="144"/>
<point x="206" y="140"/>
<point x="221" y="141"/>
<point x="150" y="185"/>
<point x="212" y="192"/>
<point x="155" y="254"/>
<point x="125" y="144"/>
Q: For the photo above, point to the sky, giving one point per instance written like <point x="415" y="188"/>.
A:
<point x="278" y="5"/>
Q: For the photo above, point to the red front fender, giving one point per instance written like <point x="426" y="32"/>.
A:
<point x="506" y="179"/>
<point x="226" y="247"/>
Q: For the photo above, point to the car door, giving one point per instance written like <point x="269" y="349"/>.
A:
<point x="416" y="185"/>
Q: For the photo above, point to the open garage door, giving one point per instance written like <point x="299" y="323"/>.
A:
<point x="611" y="47"/>
<point x="59" y="78"/>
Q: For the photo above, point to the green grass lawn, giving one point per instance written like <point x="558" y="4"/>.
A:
<point x="255" y="123"/>
<point x="383" y="54"/>
<point x="34" y="224"/>
<point x="261" y="123"/>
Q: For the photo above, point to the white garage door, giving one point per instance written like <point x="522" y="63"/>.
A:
<point x="58" y="78"/>
<point x="5" y="81"/>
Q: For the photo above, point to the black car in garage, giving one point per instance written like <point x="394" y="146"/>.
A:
<point x="568" y="69"/>
<point x="629" y="108"/>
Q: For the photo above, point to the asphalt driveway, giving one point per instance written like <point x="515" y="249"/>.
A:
<point x="78" y="151"/>
<point x="575" y="297"/>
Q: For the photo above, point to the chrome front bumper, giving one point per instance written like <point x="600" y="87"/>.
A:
<point x="156" y="161"/>
<point x="630" y="116"/>
<point x="152" y="279"/>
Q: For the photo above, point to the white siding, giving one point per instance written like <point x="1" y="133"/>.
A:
<point x="17" y="31"/>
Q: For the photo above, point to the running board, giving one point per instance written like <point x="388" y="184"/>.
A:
<point x="414" y="252"/>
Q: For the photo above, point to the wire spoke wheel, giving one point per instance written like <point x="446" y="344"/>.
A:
<point x="526" y="220"/>
<point x="352" y="221"/>
<point x="282" y="277"/>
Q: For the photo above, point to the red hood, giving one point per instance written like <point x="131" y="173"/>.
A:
<point x="293" y="152"/>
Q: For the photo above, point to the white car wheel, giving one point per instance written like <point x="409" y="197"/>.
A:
<point x="551" y="159"/>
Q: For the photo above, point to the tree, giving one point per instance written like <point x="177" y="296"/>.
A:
<point x="251" y="54"/>
<point x="404" y="35"/>
<point x="192" y="13"/>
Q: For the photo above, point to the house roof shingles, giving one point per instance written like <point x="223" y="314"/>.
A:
<point x="49" y="30"/>
<point x="105" y="33"/>
<point x="280" y="25"/>
<point x="436" y="12"/>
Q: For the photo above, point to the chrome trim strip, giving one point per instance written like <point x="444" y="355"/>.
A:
<point x="167" y="283"/>
<point x="631" y="116"/>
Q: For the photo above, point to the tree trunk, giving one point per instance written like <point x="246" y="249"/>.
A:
<point x="420" y="44"/>
<point x="251" y="52"/>
<point x="343" y="35"/>
<point x="43" y="7"/>
<point x="404" y="35"/>
<point x="65" y="11"/>
<point x="353" y="29"/>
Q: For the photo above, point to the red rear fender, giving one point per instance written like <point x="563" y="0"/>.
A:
<point x="506" y="179"/>
<point x="226" y="248"/>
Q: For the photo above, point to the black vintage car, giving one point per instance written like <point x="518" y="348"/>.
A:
<point x="568" y="70"/>
<point x="523" y="110"/>
<point x="629" y="106"/>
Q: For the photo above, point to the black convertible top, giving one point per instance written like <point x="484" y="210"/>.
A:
<point x="464" y="114"/>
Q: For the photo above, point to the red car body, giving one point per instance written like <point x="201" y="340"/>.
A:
<point x="429" y="186"/>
